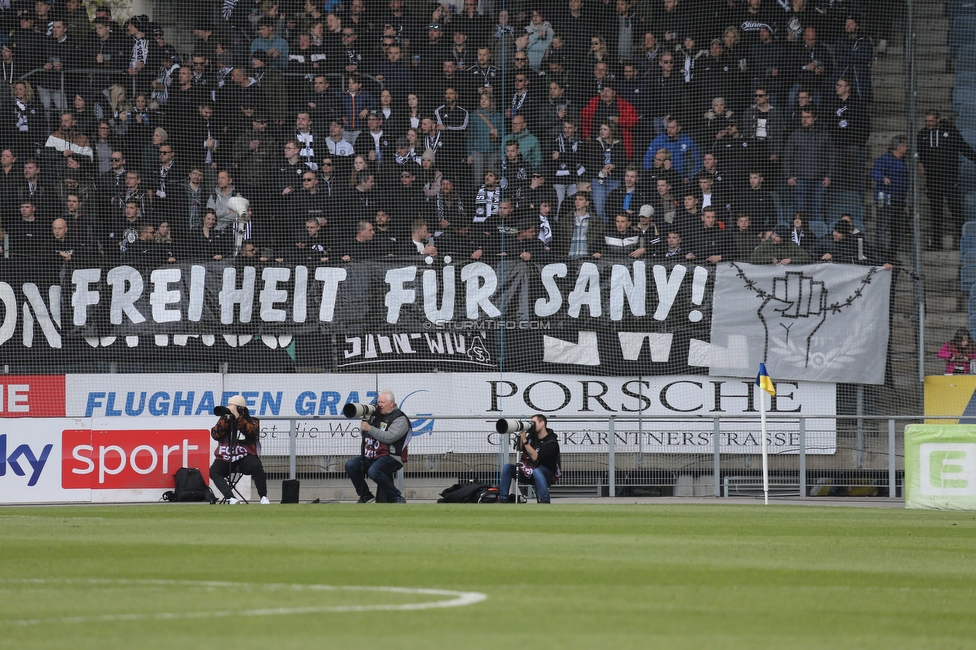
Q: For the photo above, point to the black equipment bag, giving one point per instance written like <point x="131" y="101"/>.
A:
<point x="473" y="492"/>
<point x="289" y="491"/>
<point x="190" y="486"/>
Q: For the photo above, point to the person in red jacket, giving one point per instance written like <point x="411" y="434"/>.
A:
<point x="608" y="107"/>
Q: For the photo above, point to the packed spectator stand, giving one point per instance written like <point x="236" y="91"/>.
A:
<point x="297" y="128"/>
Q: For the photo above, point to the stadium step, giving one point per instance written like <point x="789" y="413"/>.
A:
<point x="944" y="310"/>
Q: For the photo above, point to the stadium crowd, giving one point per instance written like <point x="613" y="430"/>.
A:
<point x="328" y="132"/>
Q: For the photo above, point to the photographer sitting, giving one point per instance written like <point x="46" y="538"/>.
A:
<point x="236" y="433"/>
<point x="538" y="461"/>
<point x="384" y="450"/>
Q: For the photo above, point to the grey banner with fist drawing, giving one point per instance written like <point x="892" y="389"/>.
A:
<point x="824" y="322"/>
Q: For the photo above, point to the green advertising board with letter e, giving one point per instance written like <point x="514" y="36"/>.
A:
<point x="940" y="466"/>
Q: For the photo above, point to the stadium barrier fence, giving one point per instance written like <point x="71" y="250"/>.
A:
<point x="851" y="457"/>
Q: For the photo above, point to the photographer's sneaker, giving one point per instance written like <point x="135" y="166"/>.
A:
<point x="399" y="500"/>
<point x="233" y="501"/>
<point x="264" y="501"/>
<point x="366" y="498"/>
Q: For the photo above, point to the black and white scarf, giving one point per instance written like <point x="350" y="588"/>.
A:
<point x="20" y="111"/>
<point x="222" y="75"/>
<point x="500" y="31"/>
<point x="228" y="9"/>
<point x="517" y="102"/>
<point x="8" y="73"/>
<point x="411" y="157"/>
<point x="355" y="58"/>
<point x="306" y="140"/>
<point x="163" y="173"/>
<point x="545" y="229"/>
<point x="443" y="204"/>
<point x="210" y="152"/>
<point x="433" y="143"/>
<point x="140" y="52"/>
<point x="573" y="145"/>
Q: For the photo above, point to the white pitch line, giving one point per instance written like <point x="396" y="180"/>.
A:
<point x="458" y="599"/>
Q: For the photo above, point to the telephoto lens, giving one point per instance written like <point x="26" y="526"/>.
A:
<point x="359" y="411"/>
<point x="512" y="426"/>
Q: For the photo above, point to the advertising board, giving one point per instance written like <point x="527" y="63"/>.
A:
<point x="50" y="460"/>
<point x="456" y="411"/>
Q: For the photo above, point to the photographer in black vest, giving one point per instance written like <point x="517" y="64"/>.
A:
<point x="384" y="450"/>
<point x="538" y="460"/>
<point x="237" y="435"/>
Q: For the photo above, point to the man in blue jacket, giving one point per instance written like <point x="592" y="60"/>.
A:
<point x="890" y="190"/>
<point x="685" y="160"/>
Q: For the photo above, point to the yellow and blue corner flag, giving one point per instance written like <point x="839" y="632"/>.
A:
<point x="763" y="380"/>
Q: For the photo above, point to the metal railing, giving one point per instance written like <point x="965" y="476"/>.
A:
<point x="118" y="76"/>
<point x="619" y="456"/>
<point x="336" y="79"/>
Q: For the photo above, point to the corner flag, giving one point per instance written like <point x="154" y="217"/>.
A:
<point x="763" y="380"/>
<point x="765" y="383"/>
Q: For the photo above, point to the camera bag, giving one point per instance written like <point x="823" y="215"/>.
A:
<point x="471" y="492"/>
<point x="190" y="486"/>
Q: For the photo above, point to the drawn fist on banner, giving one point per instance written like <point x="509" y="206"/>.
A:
<point x="792" y="314"/>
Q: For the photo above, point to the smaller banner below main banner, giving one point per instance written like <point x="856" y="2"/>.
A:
<point x="821" y="322"/>
<point x="439" y="401"/>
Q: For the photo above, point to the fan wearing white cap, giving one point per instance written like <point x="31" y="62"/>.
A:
<point x="237" y="434"/>
<point x="651" y="240"/>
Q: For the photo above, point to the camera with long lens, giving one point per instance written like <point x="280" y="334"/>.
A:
<point x="359" y="411"/>
<point x="513" y="426"/>
<point x="221" y="411"/>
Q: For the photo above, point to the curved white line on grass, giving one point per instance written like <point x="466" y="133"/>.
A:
<point x="458" y="599"/>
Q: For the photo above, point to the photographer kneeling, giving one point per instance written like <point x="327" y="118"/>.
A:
<point x="237" y="434"/>
<point x="539" y="460"/>
<point x="383" y="451"/>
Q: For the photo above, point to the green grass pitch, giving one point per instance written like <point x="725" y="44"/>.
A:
<point x="575" y="576"/>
